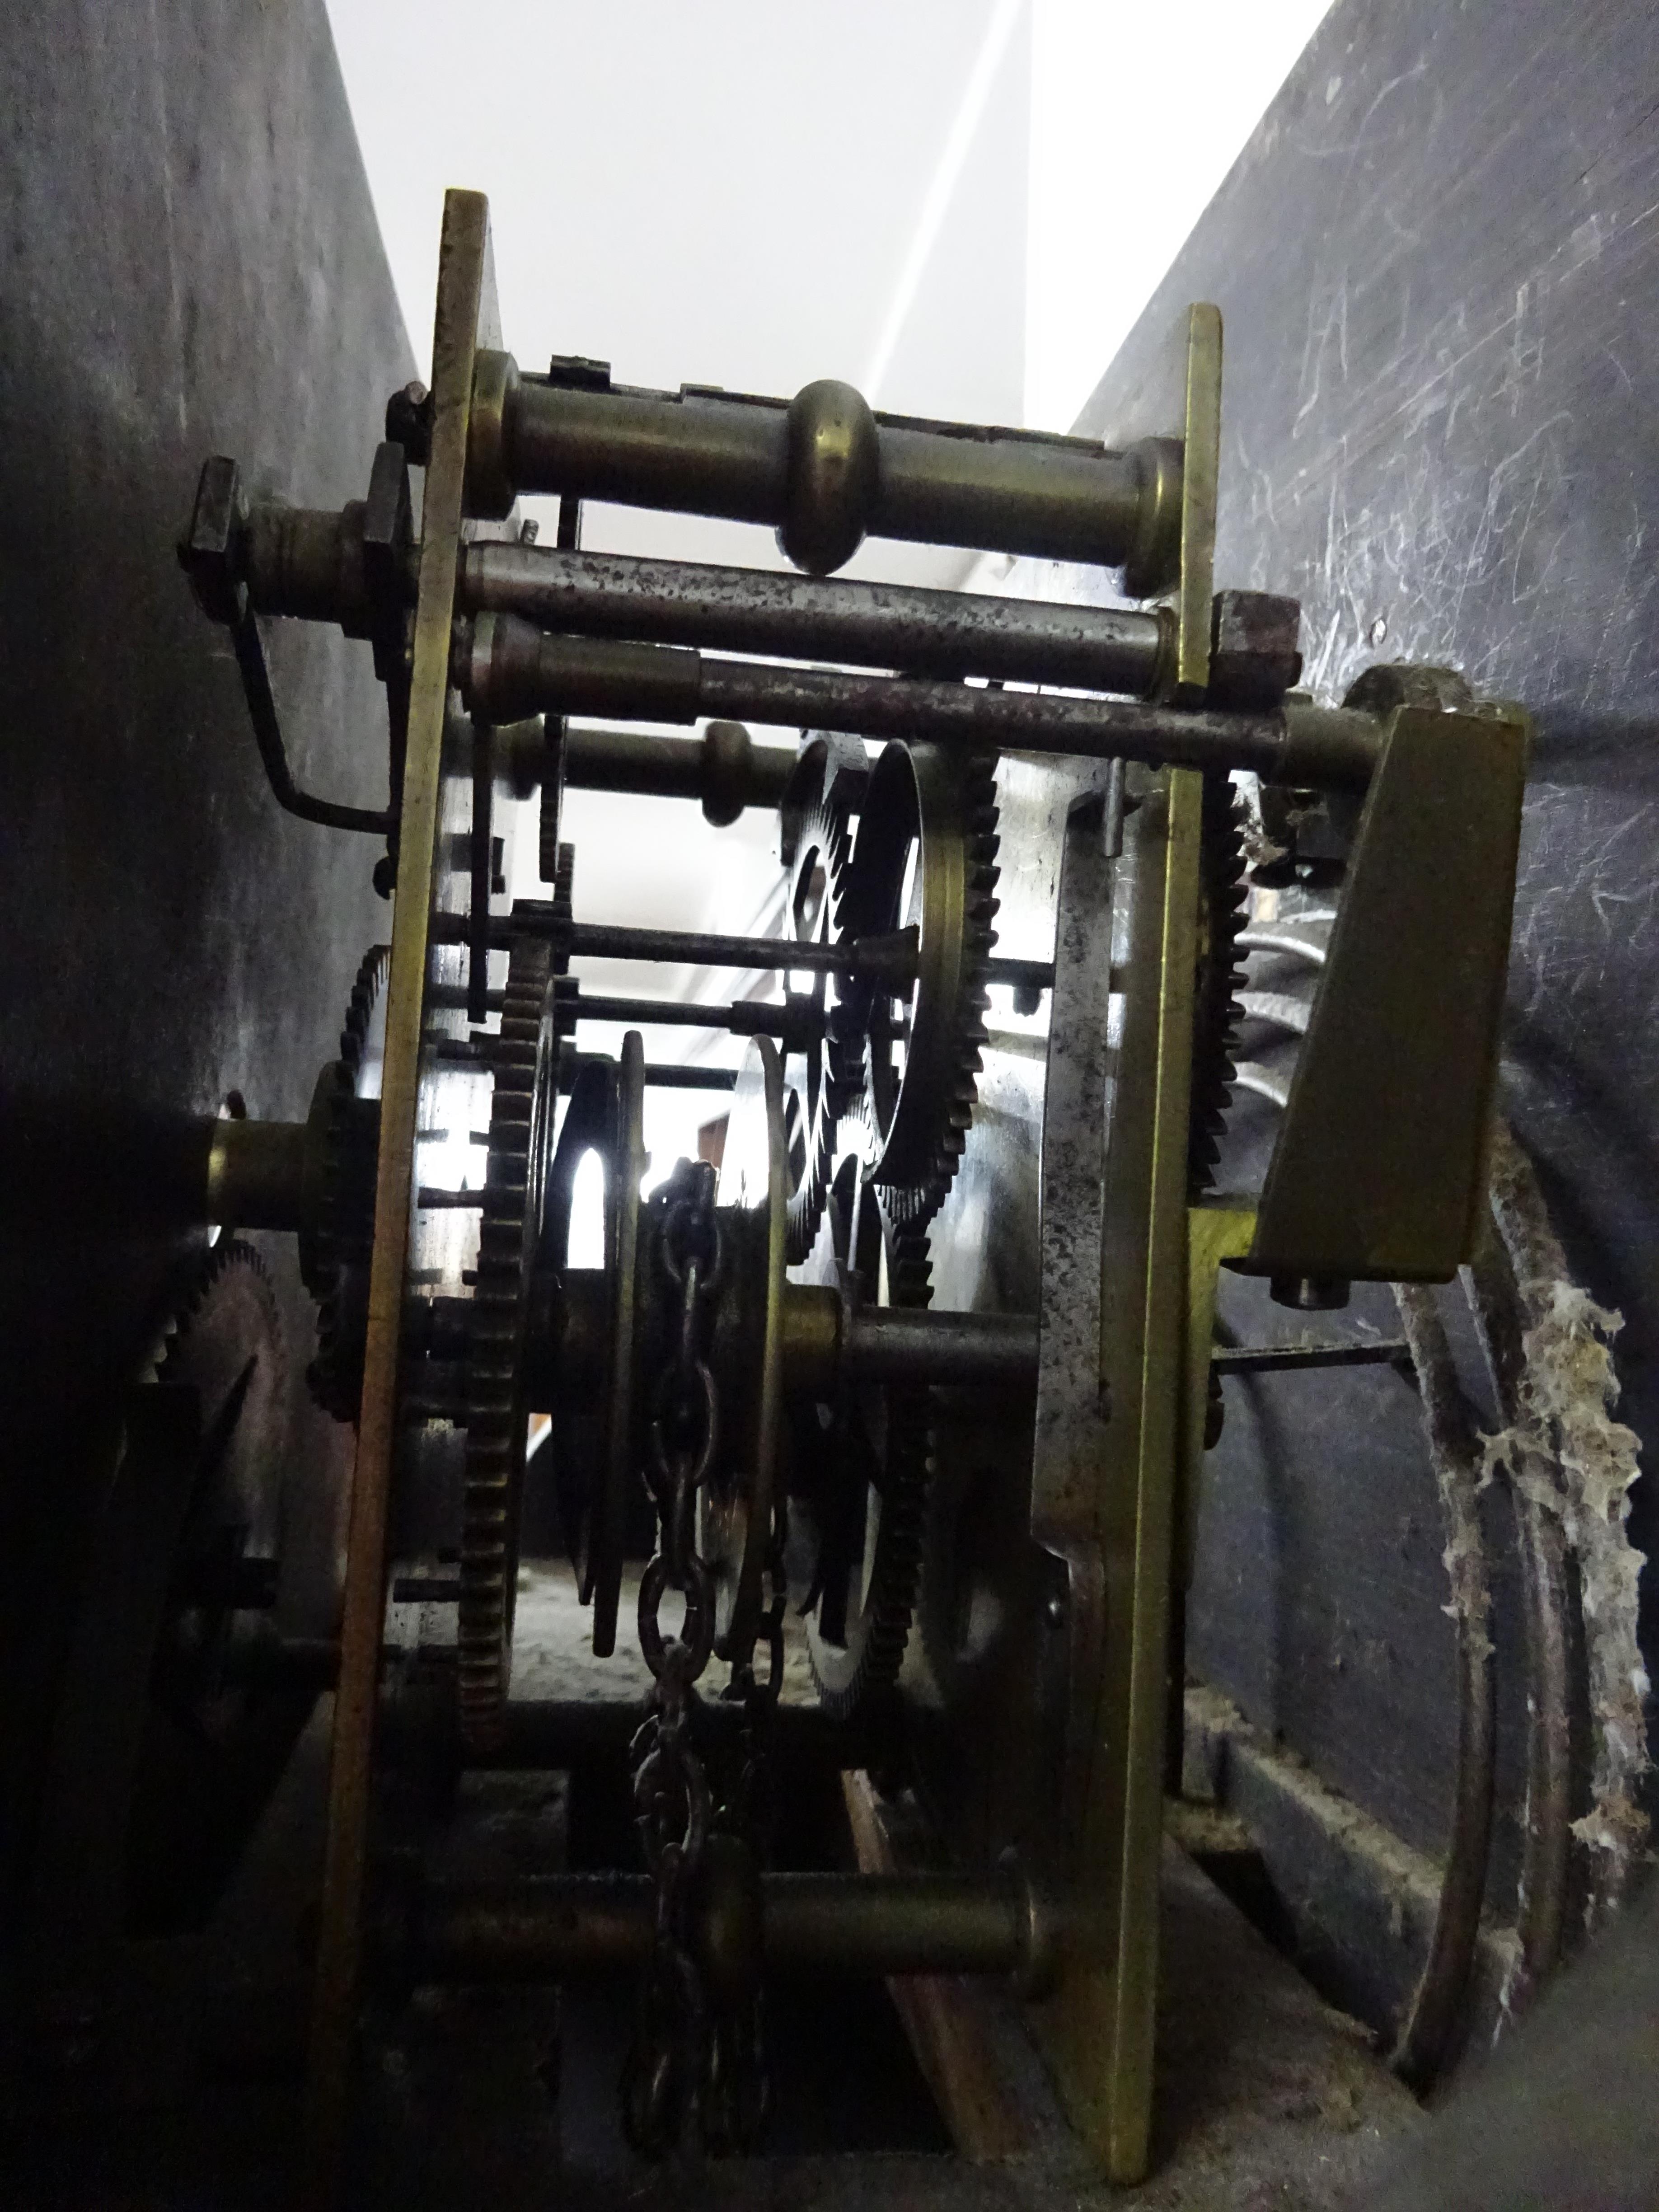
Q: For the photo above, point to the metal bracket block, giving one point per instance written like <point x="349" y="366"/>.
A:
<point x="1379" y="1171"/>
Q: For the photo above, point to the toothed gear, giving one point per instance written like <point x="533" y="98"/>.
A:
<point x="551" y="850"/>
<point x="337" y="1241"/>
<point x="523" y="1059"/>
<point x="854" y="1666"/>
<point x="824" y="848"/>
<point x="566" y="993"/>
<point x="224" y="1338"/>
<point x="164" y="1749"/>
<point x="925" y="858"/>
<point x="564" y="897"/>
<point x="1216" y="1011"/>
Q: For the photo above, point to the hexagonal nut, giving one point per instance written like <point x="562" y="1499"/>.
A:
<point x="211" y="550"/>
<point x="1254" y="647"/>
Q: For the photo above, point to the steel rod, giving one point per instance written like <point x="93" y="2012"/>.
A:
<point x="995" y="1350"/>
<point x="891" y="957"/>
<point x="1291" y="1358"/>
<point x="597" y="940"/>
<point x="557" y="1927"/>
<point x="550" y="1734"/>
<point x="743" y="1018"/>
<point x="507" y="669"/>
<point x="726" y="776"/>
<point x="678" y="1075"/>
<point x="794" y="618"/>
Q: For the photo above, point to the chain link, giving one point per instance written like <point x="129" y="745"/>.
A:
<point x="662" y="2078"/>
<point x="695" y="2070"/>
<point x="738" y="2089"/>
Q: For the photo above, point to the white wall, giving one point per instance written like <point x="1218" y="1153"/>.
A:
<point x="1138" y="113"/>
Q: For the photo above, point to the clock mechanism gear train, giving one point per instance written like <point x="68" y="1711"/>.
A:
<point x="1013" y="891"/>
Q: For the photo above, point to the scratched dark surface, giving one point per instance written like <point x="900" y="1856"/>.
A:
<point x="191" y="265"/>
<point x="1438" y="261"/>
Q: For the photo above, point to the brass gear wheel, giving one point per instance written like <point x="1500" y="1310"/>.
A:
<point x="926" y="860"/>
<point x="335" y="1244"/>
<point x="523" y="1063"/>
<point x="823" y="784"/>
<point x="864" y="1594"/>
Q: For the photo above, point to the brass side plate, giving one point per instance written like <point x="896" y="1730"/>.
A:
<point x="1178" y="399"/>
<point x="1200" y="474"/>
<point x="465" y="317"/>
<point x="1099" y="2027"/>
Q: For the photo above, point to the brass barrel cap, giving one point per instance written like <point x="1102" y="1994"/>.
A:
<point x="490" y="488"/>
<point x="1154" y="561"/>
<point x="1041" y="1929"/>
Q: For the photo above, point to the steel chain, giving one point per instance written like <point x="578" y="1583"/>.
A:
<point x="737" y="2090"/>
<point x="696" y="2071"/>
<point x="690" y="2072"/>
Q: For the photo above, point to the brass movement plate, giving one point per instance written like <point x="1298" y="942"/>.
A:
<point x="466" y="315"/>
<point x="1098" y="2028"/>
<point x="1201" y="475"/>
<point x="1178" y="397"/>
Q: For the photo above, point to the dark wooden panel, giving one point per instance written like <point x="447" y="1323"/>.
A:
<point x="1437" y="261"/>
<point x="188" y="263"/>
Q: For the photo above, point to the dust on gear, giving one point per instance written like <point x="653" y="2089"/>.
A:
<point x="823" y="779"/>
<point x="523" y="1062"/>
<point x="1223" y="897"/>
<point x="864" y="1592"/>
<point x="925" y="860"/>
<point x="337" y="1242"/>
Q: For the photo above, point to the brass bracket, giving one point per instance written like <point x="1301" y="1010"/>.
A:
<point x="1379" y="1174"/>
